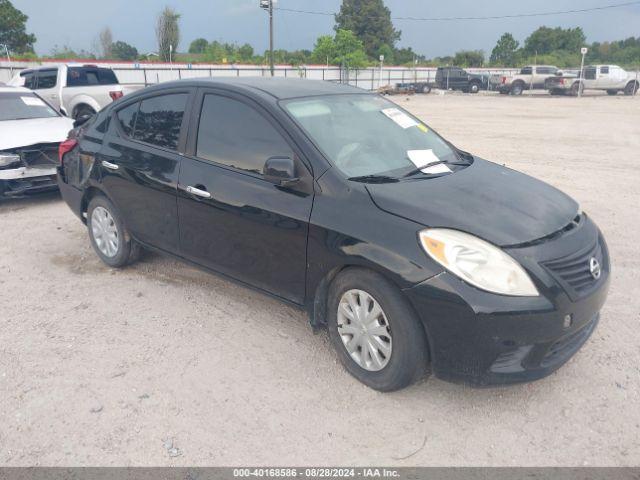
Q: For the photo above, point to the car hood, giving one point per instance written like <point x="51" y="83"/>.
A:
<point x="22" y="133"/>
<point x="495" y="203"/>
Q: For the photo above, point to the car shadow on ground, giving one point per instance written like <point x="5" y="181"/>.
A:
<point x="14" y="204"/>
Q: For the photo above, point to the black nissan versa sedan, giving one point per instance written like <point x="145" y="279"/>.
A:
<point x="412" y="252"/>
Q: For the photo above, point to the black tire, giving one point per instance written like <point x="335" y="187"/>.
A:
<point x="82" y="110"/>
<point x="474" y="87"/>
<point x="631" y="88"/>
<point x="128" y="251"/>
<point x="517" y="88"/>
<point x="409" y="355"/>
<point x="612" y="92"/>
<point x="576" y="89"/>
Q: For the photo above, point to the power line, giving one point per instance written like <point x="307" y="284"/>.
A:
<point x="494" y="17"/>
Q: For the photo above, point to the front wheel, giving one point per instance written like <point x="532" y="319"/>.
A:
<point x="631" y="88"/>
<point x="375" y="331"/>
<point x="474" y="87"/>
<point x="108" y="235"/>
<point x="577" y="89"/>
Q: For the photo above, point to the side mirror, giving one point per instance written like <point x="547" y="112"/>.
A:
<point x="280" y="171"/>
<point x="81" y="120"/>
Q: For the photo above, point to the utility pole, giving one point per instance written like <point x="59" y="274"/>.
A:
<point x="583" y="51"/>
<point x="268" y="5"/>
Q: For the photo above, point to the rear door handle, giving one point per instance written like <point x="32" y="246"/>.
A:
<point x="109" y="165"/>
<point x="198" y="192"/>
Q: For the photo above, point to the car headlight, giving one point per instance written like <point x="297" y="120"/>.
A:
<point x="7" y="159"/>
<point x="477" y="262"/>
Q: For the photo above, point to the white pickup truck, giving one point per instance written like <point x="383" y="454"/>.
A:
<point x="609" y="78"/>
<point x="75" y="90"/>
<point x="531" y="77"/>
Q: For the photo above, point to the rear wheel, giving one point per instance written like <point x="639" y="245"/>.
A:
<point x="517" y="88"/>
<point x="375" y="332"/>
<point x="631" y="88"/>
<point x="83" y="110"/>
<point x="108" y="235"/>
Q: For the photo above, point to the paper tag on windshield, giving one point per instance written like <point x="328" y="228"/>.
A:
<point x="33" y="101"/>
<point x="401" y="118"/>
<point x="425" y="157"/>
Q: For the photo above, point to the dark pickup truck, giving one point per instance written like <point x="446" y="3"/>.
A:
<point x="456" y="78"/>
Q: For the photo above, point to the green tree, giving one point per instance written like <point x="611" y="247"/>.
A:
<point x="13" y="31"/>
<point x="547" y="40"/>
<point x="199" y="45"/>
<point x="349" y="50"/>
<point x="505" y="51"/>
<point x="370" y="21"/>
<point x="324" y="50"/>
<point x="469" y="58"/>
<point x="406" y="56"/>
<point x="123" y="51"/>
<point x="245" y="52"/>
<point x="167" y="33"/>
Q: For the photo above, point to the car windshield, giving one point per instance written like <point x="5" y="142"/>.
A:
<point x="366" y="135"/>
<point x="23" y="106"/>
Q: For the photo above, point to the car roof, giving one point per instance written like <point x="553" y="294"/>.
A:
<point x="9" y="89"/>
<point x="278" y="88"/>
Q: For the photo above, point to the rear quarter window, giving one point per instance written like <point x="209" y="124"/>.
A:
<point x="127" y="118"/>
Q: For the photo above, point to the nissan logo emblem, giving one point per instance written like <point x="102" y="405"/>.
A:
<point x="594" y="268"/>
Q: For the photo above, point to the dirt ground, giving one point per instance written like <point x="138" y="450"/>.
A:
<point x="161" y="364"/>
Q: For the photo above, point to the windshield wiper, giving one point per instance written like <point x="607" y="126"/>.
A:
<point x="374" y="179"/>
<point x="431" y="164"/>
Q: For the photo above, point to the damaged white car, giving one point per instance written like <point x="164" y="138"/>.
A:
<point x="30" y="133"/>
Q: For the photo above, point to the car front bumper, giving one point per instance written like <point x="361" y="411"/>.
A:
<point x="480" y="338"/>
<point x="27" y="180"/>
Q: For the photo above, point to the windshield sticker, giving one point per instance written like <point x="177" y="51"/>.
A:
<point x="401" y="118"/>
<point x="33" y="101"/>
<point x="423" y="128"/>
<point x="420" y="158"/>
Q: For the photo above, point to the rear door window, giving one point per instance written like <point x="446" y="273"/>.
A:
<point x="46" y="79"/>
<point x="159" y="120"/>
<point x="604" y="70"/>
<point x="526" y="71"/>
<point x="86" y="76"/>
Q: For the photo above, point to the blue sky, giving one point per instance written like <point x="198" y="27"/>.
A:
<point x="76" y="22"/>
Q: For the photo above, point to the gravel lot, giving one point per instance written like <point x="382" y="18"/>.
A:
<point x="161" y="364"/>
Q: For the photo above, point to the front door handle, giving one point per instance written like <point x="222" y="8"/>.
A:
<point x="198" y="192"/>
<point x="109" y="165"/>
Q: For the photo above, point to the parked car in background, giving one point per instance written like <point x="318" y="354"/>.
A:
<point x="610" y="78"/>
<point x="456" y="78"/>
<point x="409" y="250"/>
<point x="531" y="77"/>
<point x="31" y="131"/>
<point x="74" y="89"/>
